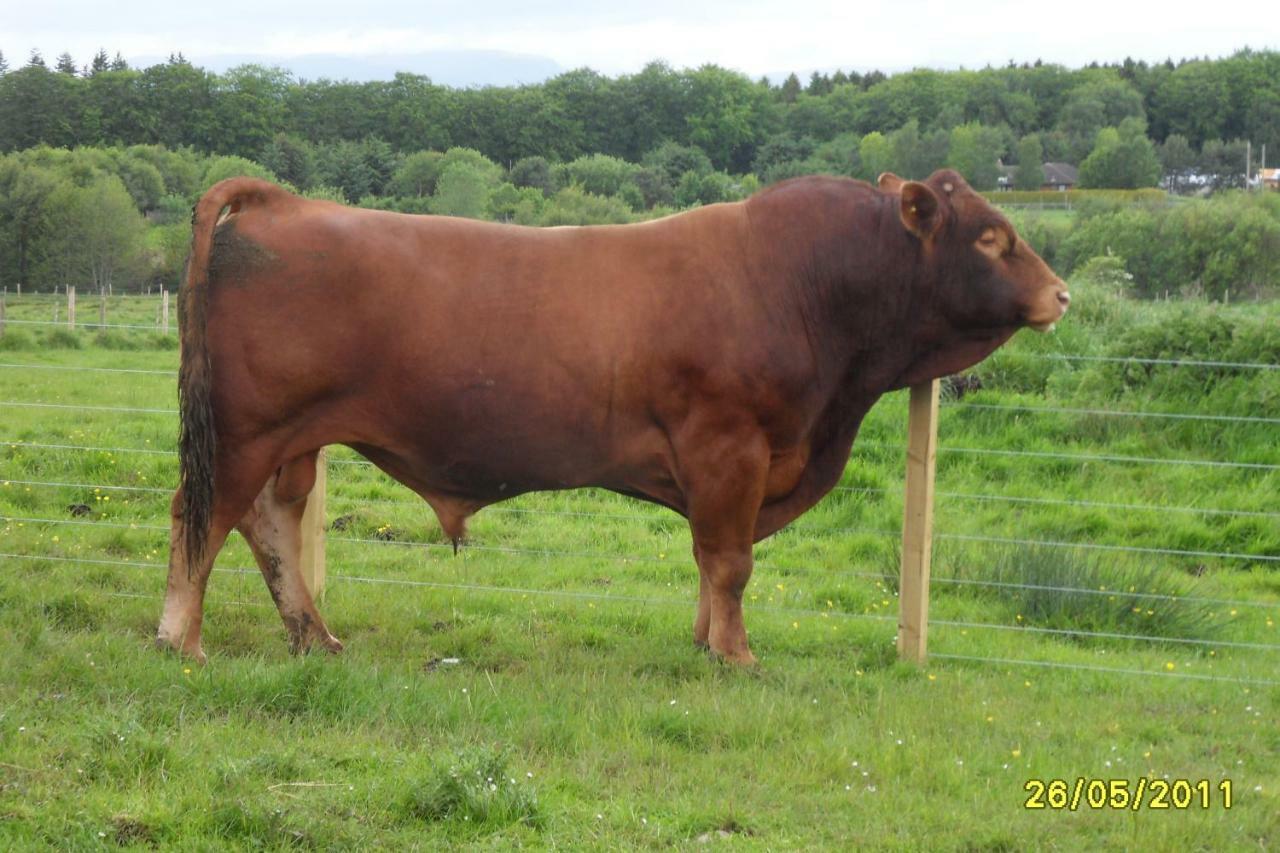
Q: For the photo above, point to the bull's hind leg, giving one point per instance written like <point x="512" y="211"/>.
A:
<point x="237" y="479"/>
<point x="184" y="596"/>
<point x="273" y="528"/>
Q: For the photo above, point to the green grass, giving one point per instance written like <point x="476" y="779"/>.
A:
<point x="576" y="689"/>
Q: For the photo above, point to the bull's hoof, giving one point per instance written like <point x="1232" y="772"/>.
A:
<point x="740" y="658"/>
<point x="181" y="649"/>
<point x="304" y="644"/>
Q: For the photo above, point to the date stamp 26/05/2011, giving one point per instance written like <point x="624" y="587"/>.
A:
<point x="1126" y="794"/>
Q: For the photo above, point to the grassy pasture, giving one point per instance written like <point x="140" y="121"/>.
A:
<point x="577" y="713"/>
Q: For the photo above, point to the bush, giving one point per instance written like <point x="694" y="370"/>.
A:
<point x="1197" y="333"/>
<point x="572" y="206"/>
<point x="1225" y="245"/>
<point x="1099" y="291"/>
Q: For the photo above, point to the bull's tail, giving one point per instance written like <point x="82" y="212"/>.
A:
<point x="197" y="438"/>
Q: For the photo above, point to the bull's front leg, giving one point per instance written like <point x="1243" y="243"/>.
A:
<point x="273" y="529"/>
<point x="724" y="481"/>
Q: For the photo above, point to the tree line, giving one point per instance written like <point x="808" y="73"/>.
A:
<point x="1201" y="110"/>
<point x="76" y="210"/>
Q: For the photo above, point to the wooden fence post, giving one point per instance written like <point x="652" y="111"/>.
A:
<point x="3" y="296"/>
<point x="313" y="532"/>
<point x="102" y="310"/>
<point x="917" y="523"/>
<point x="164" y="309"/>
<point x="71" y="307"/>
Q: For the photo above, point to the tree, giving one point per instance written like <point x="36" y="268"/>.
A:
<point x="100" y="64"/>
<point x="599" y="174"/>
<point x="572" y="206"/>
<point x="707" y="188"/>
<point x="876" y="154"/>
<point x="462" y="190"/>
<point x="417" y="174"/>
<point x="917" y="155"/>
<point x="37" y="106"/>
<point x="974" y="151"/>
<point x="1123" y="158"/>
<point x="840" y="155"/>
<point x="142" y="180"/>
<point x="4" y="64"/>
<point x="292" y="159"/>
<point x="726" y="116"/>
<point x="230" y="166"/>
<point x="790" y="89"/>
<point x="24" y="220"/>
<point x="533" y="172"/>
<point x="1176" y="158"/>
<point x="1030" y="174"/>
<point x="1194" y="101"/>
<point x="1223" y="162"/>
<point x="781" y="148"/>
<point x="95" y="234"/>
<point x="249" y="108"/>
<point x="1091" y="106"/>
<point x="65" y="65"/>
<point x="673" y="160"/>
<point x="343" y="165"/>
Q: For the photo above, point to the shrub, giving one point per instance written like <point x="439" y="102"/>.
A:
<point x="572" y="206"/>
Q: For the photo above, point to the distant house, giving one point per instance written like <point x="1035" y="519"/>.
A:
<point x="1057" y="176"/>
<point x="1060" y="177"/>
<point x="1269" y="178"/>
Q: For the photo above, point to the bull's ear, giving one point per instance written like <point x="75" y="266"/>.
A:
<point x="889" y="182"/>
<point x="920" y="213"/>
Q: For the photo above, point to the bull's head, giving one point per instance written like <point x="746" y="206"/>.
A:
<point x="982" y="276"/>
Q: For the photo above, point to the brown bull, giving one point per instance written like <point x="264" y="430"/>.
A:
<point x="717" y="362"/>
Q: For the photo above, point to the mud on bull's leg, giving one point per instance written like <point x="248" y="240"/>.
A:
<point x="273" y="529"/>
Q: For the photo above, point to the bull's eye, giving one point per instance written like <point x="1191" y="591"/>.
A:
<point x="989" y="237"/>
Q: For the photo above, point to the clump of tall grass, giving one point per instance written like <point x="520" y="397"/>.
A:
<point x="1070" y="589"/>
<point x="61" y="339"/>
<point x="15" y="340"/>
<point x="474" y="787"/>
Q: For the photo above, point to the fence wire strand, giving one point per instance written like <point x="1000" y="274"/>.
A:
<point x="1064" y="410"/>
<point x="1169" y="362"/>
<point x="77" y="369"/>
<point x="1106" y="669"/>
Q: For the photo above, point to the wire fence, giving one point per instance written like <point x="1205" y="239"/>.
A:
<point x="157" y="525"/>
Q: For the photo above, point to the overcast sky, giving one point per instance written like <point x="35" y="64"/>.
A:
<point x="753" y="36"/>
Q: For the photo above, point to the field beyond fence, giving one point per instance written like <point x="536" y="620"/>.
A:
<point x="1105" y="593"/>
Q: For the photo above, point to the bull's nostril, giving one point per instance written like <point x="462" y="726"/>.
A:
<point x="1065" y="298"/>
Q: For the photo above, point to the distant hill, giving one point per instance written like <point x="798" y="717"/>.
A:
<point x="461" y="68"/>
